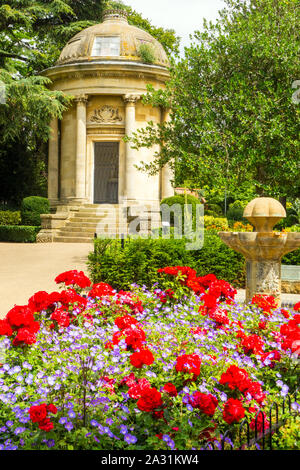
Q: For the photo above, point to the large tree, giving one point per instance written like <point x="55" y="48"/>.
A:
<point x="233" y="122"/>
<point x="32" y="35"/>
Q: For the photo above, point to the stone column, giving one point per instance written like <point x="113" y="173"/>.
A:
<point x="167" y="174"/>
<point x="263" y="278"/>
<point x="81" y="102"/>
<point x="130" y="154"/>
<point x="53" y="163"/>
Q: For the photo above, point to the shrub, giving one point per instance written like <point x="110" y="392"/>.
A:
<point x="31" y="209"/>
<point x="214" y="209"/>
<point x="18" y="233"/>
<point x="236" y="210"/>
<point x="146" y="53"/>
<point x="10" y="218"/>
<point x="182" y="200"/>
<point x="215" y="223"/>
<point x="141" y="257"/>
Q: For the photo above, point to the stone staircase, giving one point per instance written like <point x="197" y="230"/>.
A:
<point x="107" y="220"/>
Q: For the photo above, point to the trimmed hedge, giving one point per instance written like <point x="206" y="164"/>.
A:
<point x="18" y="233"/>
<point x="140" y="258"/>
<point x="31" y="209"/>
<point x="10" y="217"/>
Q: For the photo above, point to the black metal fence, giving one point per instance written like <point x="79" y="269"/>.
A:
<point x="277" y="416"/>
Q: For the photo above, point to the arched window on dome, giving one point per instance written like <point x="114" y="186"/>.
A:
<point x="106" y="46"/>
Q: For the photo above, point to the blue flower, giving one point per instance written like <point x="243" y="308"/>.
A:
<point x="130" y="439"/>
<point x="69" y="426"/>
<point x="123" y="429"/>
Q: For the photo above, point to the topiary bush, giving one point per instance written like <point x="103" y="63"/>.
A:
<point x="10" y="217"/>
<point x="31" y="209"/>
<point x="182" y="200"/>
<point x="18" y="233"/>
<point x="140" y="258"/>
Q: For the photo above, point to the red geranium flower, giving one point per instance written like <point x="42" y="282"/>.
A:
<point x="5" y="328"/>
<point x="38" y="412"/>
<point x="252" y="344"/>
<point x="150" y="400"/>
<point x="188" y="363"/>
<point x="206" y="403"/>
<point x="72" y="278"/>
<point x="233" y="411"/>
<point x="101" y="290"/>
<point x="170" y="389"/>
<point x="234" y="377"/>
<point x="125" y="322"/>
<point x="143" y="357"/>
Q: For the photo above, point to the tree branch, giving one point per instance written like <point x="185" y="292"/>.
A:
<point x="13" y="56"/>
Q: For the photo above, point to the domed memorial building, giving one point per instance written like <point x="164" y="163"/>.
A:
<point x="91" y="170"/>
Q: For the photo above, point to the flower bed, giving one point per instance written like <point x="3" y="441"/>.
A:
<point x="168" y="368"/>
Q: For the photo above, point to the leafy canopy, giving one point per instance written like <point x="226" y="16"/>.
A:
<point x="233" y="122"/>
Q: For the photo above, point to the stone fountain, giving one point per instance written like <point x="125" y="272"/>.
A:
<point x="264" y="248"/>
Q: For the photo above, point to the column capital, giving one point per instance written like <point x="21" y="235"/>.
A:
<point x="81" y="98"/>
<point x="131" y="98"/>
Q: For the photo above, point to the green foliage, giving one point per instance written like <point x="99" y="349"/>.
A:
<point x="218" y="223"/>
<point x="18" y="233"/>
<point x="32" y="35"/>
<point x="214" y="210"/>
<point x="182" y="200"/>
<point x="232" y="119"/>
<point x="292" y="258"/>
<point x="10" y="218"/>
<point x="31" y="209"/>
<point x="147" y="54"/>
<point x="236" y="210"/>
<point x="139" y="260"/>
<point x="288" y="436"/>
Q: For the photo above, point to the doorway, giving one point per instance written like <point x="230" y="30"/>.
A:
<point x="106" y="172"/>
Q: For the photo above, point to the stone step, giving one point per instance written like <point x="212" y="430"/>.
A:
<point x="63" y="239"/>
<point x="80" y="215"/>
<point x="94" y="220"/>
<point x="93" y="206"/>
<point x="90" y="232"/>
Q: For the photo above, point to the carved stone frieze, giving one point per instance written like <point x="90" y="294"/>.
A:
<point x="107" y="115"/>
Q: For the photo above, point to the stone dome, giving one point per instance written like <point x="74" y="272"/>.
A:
<point x="264" y="213"/>
<point x="264" y="207"/>
<point x="113" y="39"/>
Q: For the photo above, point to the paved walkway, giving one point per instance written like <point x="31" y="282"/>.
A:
<point x="26" y="268"/>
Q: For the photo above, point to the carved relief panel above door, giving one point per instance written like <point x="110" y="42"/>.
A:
<point x="106" y="114"/>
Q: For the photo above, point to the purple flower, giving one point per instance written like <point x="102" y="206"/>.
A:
<point x="69" y="426"/>
<point x="19" y="430"/>
<point x="130" y="439"/>
<point x="123" y="429"/>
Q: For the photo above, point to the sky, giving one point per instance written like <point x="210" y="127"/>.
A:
<point x="184" y="17"/>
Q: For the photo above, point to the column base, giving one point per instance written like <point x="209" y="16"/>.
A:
<point x="264" y="278"/>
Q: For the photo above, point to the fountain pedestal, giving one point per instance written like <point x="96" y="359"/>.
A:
<point x="264" y="248"/>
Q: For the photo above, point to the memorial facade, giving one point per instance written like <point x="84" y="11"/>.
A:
<point x="89" y="162"/>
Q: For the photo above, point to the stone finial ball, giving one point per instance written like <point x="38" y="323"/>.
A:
<point x="264" y="213"/>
